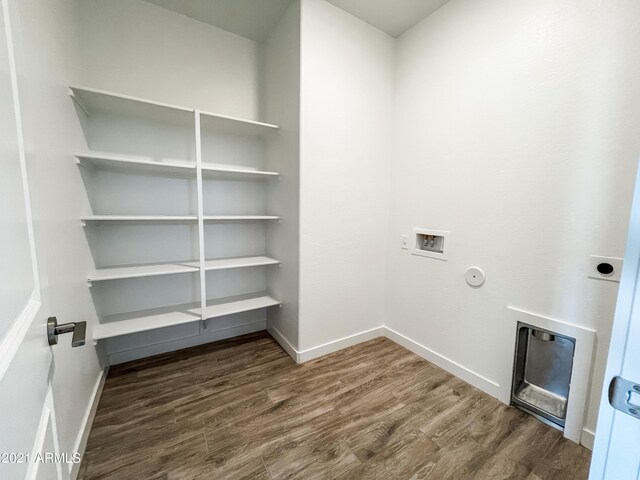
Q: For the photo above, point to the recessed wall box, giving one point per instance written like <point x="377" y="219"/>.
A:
<point x="605" y="268"/>
<point x="430" y="243"/>
<point x="542" y="372"/>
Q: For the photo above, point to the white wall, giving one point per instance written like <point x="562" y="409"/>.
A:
<point x="281" y="99"/>
<point x="139" y="49"/>
<point x="347" y="77"/>
<point x="46" y="40"/>
<point x="517" y="130"/>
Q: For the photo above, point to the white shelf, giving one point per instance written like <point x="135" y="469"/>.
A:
<point x="175" y="218"/>
<point x="235" y="125"/>
<point x="118" y="163"/>
<point x="144" y="320"/>
<point x="158" y="269"/>
<point x="239" y="262"/>
<point x="139" y="271"/>
<point x="134" y="165"/>
<point x="213" y="171"/>
<point x="239" y="218"/>
<point x="139" y="218"/>
<point x="93" y="101"/>
<point x="238" y="304"/>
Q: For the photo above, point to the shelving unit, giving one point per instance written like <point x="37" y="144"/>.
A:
<point x="93" y="103"/>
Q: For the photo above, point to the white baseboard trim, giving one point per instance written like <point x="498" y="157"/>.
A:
<point x="469" y="376"/>
<point x="587" y="439"/>
<point x="301" y="356"/>
<point x="172" y="345"/>
<point x="87" y="422"/>
<point x="284" y="343"/>
<point x="335" y="345"/>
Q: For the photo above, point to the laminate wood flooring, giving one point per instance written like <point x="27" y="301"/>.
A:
<point x="242" y="409"/>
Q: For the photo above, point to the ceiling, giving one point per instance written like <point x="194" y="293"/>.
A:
<point x="254" y="19"/>
<point x="391" y="16"/>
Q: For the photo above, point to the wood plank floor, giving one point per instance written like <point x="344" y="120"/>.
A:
<point x="241" y="408"/>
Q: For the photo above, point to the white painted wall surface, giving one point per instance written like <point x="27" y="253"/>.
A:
<point x="140" y="49"/>
<point x="517" y="130"/>
<point x="46" y="41"/>
<point x="281" y="99"/>
<point x="347" y="79"/>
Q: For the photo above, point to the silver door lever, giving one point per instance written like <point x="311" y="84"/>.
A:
<point x="79" y="330"/>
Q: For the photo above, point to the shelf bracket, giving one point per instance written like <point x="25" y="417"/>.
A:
<point x="78" y="102"/>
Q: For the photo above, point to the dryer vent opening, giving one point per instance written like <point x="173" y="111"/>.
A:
<point x="542" y="373"/>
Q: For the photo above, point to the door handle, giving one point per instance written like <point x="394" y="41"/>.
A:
<point x="624" y="395"/>
<point x="79" y="330"/>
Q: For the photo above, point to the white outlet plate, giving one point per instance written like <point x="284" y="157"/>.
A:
<point x="616" y="263"/>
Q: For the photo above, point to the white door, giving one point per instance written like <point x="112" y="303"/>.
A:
<point x="616" y="453"/>
<point x="28" y="439"/>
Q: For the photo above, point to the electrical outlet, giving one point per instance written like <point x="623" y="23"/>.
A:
<point x="404" y="242"/>
<point x="605" y="268"/>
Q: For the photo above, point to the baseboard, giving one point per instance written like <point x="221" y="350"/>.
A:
<point x="301" y="356"/>
<point x="172" y="345"/>
<point x="87" y="422"/>
<point x="284" y="342"/>
<point x="587" y="439"/>
<point x="334" y="346"/>
<point x="469" y="376"/>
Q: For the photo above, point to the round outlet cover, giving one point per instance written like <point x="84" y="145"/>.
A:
<point x="474" y="276"/>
